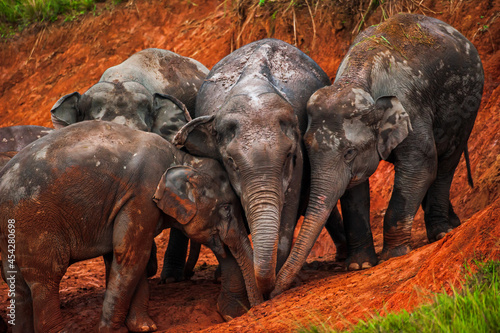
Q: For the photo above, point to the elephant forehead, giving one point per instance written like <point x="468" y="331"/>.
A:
<point x="326" y="137"/>
<point x="356" y="131"/>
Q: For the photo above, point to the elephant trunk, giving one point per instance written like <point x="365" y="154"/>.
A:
<point x="263" y="206"/>
<point x="326" y="190"/>
<point x="241" y="249"/>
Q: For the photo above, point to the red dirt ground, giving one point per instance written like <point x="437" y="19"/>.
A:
<point x="42" y="64"/>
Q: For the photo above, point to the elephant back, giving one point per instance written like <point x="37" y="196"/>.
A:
<point x="284" y="68"/>
<point x="161" y="71"/>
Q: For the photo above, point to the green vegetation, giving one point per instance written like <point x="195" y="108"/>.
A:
<point x="473" y="309"/>
<point x="17" y="14"/>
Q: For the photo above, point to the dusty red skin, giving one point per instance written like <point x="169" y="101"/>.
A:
<point x="40" y="66"/>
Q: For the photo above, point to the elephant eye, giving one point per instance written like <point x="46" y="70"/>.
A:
<point x="232" y="163"/>
<point x="350" y="154"/>
<point x="225" y="210"/>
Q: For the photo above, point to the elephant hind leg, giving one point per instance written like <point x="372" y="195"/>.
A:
<point x="46" y="305"/>
<point x="453" y="218"/>
<point x="439" y="215"/>
<point x="41" y="268"/>
<point x="22" y="309"/>
<point x="415" y="173"/>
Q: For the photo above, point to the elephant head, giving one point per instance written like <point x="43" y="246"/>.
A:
<point x="256" y="137"/>
<point x="128" y="103"/>
<point x="207" y="211"/>
<point x="348" y="133"/>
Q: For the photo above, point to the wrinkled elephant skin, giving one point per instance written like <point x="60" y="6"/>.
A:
<point x="92" y="189"/>
<point x="15" y="138"/>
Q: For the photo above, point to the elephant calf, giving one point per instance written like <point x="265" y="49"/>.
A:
<point x="407" y="92"/>
<point x="143" y="92"/>
<point x="99" y="188"/>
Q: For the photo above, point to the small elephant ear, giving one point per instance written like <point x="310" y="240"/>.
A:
<point x="170" y="115"/>
<point x="394" y="126"/>
<point x="65" y="112"/>
<point x="174" y="194"/>
<point x="198" y="136"/>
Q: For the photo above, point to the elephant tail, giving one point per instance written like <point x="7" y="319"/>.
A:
<point x="467" y="163"/>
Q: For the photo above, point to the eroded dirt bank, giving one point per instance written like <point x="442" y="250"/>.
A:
<point x="41" y="65"/>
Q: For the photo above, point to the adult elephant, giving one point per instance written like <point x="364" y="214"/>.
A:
<point x="143" y="93"/>
<point x="407" y="92"/>
<point x="250" y="115"/>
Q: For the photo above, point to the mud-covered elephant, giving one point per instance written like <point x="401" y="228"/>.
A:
<point x="407" y="92"/>
<point x="250" y="115"/>
<point x="142" y="92"/>
<point x="154" y="91"/>
<point x="15" y="138"/>
<point x="98" y="188"/>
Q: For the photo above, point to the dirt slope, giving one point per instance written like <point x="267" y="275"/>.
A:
<point x="42" y="64"/>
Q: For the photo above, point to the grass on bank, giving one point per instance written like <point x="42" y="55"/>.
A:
<point x="476" y="308"/>
<point x="15" y="15"/>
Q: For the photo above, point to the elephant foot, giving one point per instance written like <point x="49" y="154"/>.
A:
<point x="231" y="305"/>
<point x="171" y="276"/>
<point x="109" y="329"/>
<point x="438" y="232"/>
<point x="393" y="252"/>
<point x="342" y="253"/>
<point x="140" y="323"/>
<point x="361" y="259"/>
<point x="230" y="311"/>
<point x="454" y="221"/>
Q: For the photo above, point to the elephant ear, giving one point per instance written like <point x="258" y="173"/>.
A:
<point x="198" y="136"/>
<point x="170" y="115"/>
<point x="65" y="112"/>
<point x="394" y="126"/>
<point x="175" y="193"/>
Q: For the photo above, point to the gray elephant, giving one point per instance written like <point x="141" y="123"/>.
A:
<point x="15" y="138"/>
<point x="407" y="92"/>
<point x="98" y="188"/>
<point x="250" y="115"/>
<point x="142" y="92"/>
<point x="150" y="91"/>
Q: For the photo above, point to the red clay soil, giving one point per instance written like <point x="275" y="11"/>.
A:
<point x="42" y="64"/>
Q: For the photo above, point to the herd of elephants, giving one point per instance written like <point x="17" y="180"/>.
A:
<point x="245" y="148"/>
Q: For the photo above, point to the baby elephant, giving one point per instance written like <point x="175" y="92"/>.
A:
<point x="147" y="92"/>
<point x="92" y="189"/>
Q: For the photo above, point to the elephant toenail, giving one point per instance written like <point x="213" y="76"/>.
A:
<point x="440" y="235"/>
<point x="354" y="266"/>
<point x="366" y="265"/>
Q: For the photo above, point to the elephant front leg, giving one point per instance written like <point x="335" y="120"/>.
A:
<point x="138" y="319"/>
<point x="233" y="300"/>
<point x="131" y="251"/>
<point x="414" y="173"/>
<point x="175" y="257"/>
<point x="356" y="214"/>
<point x="335" y="227"/>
